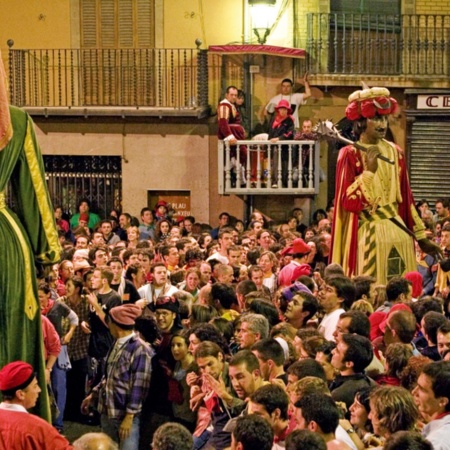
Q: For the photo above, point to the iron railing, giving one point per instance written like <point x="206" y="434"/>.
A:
<point x="164" y="78"/>
<point x="262" y="167"/>
<point x="403" y="45"/>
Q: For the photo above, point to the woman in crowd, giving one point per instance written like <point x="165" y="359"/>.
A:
<point x="65" y="272"/>
<point x="269" y="264"/>
<point x="133" y="236"/>
<point x="162" y="231"/>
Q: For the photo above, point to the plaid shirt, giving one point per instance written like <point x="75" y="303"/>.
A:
<point x="125" y="386"/>
<point x="78" y="345"/>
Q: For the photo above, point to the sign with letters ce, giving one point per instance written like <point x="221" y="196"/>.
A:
<point x="433" y="101"/>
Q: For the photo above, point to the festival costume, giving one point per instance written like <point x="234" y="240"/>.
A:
<point x="230" y="128"/>
<point x="27" y="234"/>
<point x="22" y="431"/>
<point x="365" y="240"/>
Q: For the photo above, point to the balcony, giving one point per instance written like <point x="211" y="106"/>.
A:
<point x="123" y="82"/>
<point x="409" y="47"/>
<point x="284" y="168"/>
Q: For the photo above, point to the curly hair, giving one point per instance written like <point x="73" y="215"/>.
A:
<point x="395" y="408"/>
<point x="410" y="374"/>
<point x="172" y="436"/>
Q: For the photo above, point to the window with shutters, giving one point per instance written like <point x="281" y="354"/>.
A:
<point x="117" y="40"/>
<point x="392" y="7"/>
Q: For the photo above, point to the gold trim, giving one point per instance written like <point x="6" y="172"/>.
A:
<point x="39" y="183"/>
<point x="31" y="303"/>
<point x="2" y="200"/>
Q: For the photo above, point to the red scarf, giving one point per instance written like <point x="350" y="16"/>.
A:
<point x="49" y="306"/>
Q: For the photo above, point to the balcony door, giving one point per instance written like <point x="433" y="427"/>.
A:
<point x="117" y="41"/>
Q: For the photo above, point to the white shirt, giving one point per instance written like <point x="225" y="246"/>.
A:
<point x="328" y="324"/>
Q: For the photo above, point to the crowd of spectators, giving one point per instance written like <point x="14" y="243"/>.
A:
<point x="182" y="335"/>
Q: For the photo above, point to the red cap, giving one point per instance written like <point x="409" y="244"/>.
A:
<point x="161" y="203"/>
<point x="125" y="315"/>
<point x="417" y="283"/>
<point x="287" y="251"/>
<point x="396" y="307"/>
<point x="16" y="375"/>
<point x="300" y="246"/>
<point x="84" y="217"/>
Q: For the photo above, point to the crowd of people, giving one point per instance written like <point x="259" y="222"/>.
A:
<point x="242" y="335"/>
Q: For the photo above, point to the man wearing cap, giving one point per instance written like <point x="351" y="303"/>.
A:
<point x="375" y="212"/>
<point x="298" y="266"/>
<point x="125" y="384"/>
<point x="20" y="430"/>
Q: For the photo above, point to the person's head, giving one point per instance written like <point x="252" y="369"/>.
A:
<point x="81" y="241"/>
<point x="83" y="206"/>
<point x="95" y="441"/>
<point x="252" y="432"/>
<point x="172" y="436"/>
<point x="430" y="324"/>
<point x="307" y="126"/>
<point x="159" y="272"/>
<point x="353" y="353"/>
<point x="19" y="385"/>
<point x="209" y="358"/>
<point x="97" y="238"/>
<point x="102" y="278"/>
<point x="352" y="322"/>
<point x="443" y="338"/>
<point x="432" y="393"/>
<point x="392" y="409"/>
<point x="231" y="94"/>
<point x="399" y="289"/>
<point x="122" y="319"/>
<point x="400" y="327"/>
<point x="179" y="345"/>
<point x="305" y="439"/>
<point x="166" y="311"/>
<point x="99" y="255"/>
<point x="286" y="86"/>
<point x="254" y="327"/>
<point x="268" y="262"/>
<point x="397" y="356"/>
<point x="125" y="220"/>
<point x="364" y="287"/>
<point x="323" y="357"/>
<point x="305" y="386"/>
<point x="133" y="234"/>
<point x="271" y="402"/>
<point x="244" y="373"/>
<point x="441" y="206"/>
<point x="270" y="356"/>
<point x="360" y="409"/>
<point x="224" y="273"/>
<point x="223" y="295"/>
<point x="225" y="238"/>
<point x="406" y="440"/>
<point x="301" y="308"/>
<point x="66" y="270"/>
<point x="147" y="216"/>
<point x="318" y="413"/>
<point x="256" y="274"/>
<point x="206" y="332"/>
<point x="337" y="292"/>
<point x="305" y="368"/>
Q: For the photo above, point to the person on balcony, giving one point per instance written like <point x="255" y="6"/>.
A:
<point x="281" y="129"/>
<point x="375" y="214"/>
<point x="230" y="127"/>
<point x="295" y="100"/>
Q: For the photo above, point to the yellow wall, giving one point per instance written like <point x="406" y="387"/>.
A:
<point x="35" y="23"/>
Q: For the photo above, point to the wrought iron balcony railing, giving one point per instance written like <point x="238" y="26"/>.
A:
<point x="404" y="45"/>
<point x="262" y="167"/>
<point x="159" y="78"/>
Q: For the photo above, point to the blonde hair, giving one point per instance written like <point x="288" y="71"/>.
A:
<point x="364" y="306"/>
<point x="309" y="385"/>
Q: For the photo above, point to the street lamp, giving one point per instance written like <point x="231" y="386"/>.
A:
<point x="263" y="16"/>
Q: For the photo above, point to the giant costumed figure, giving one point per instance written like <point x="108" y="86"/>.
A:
<point x="375" y="220"/>
<point x="27" y="235"/>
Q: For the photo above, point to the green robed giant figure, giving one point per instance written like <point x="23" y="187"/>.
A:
<point x="26" y="235"/>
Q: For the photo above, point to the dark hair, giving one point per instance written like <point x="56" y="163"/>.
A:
<point x="267" y="309"/>
<point x="270" y="349"/>
<point x="245" y="287"/>
<point x="253" y="432"/>
<point x="362" y="285"/>
<point x="397" y="357"/>
<point x="77" y="283"/>
<point x="359" y="351"/>
<point x="439" y="373"/>
<point x="208" y="332"/>
<point x="344" y="289"/>
<point x="207" y="348"/>
<point x="307" y="368"/>
<point x="312" y="344"/>
<point x="404" y="324"/>
<point x="172" y="436"/>
<point x="287" y="80"/>
<point x="326" y="348"/>
<point x="272" y="396"/>
<point x="424" y="305"/>
<point x="432" y="321"/>
<point x="407" y="440"/>
<point x="359" y="322"/>
<point x="246" y="357"/>
<point x="305" y="439"/>
<point x="321" y="409"/>
<point x="397" y="286"/>
<point x="224" y="326"/>
<point x="224" y="294"/>
<point x="148" y="329"/>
